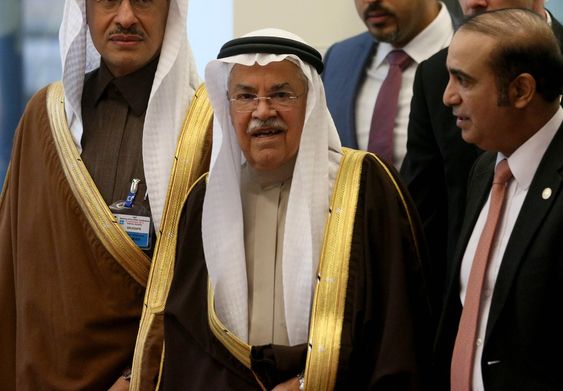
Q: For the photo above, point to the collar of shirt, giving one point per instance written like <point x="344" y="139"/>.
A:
<point x="134" y="87"/>
<point x="525" y="160"/>
<point x="429" y="41"/>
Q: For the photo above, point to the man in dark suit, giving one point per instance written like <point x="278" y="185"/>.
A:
<point x="501" y="328"/>
<point x="355" y="68"/>
<point x="438" y="161"/>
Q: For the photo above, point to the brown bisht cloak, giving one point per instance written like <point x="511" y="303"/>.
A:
<point x="370" y="322"/>
<point x="71" y="281"/>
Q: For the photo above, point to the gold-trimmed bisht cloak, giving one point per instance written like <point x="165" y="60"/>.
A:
<point x="71" y="280"/>
<point x="370" y="323"/>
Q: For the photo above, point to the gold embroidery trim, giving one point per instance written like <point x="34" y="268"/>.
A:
<point x="190" y="163"/>
<point x="100" y="218"/>
<point x="159" y="368"/>
<point x="237" y="347"/>
<point x="403" y="202"/>
<point x="330" y="293"/>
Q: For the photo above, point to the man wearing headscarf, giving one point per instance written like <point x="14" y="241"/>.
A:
<point x="298" y="262"/>
<point x="87" y="193"/>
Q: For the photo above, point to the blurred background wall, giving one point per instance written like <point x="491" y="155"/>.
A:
<point x="29" y="59"/>
<point x="29" y="55"/>
<point x="11" y="81"/>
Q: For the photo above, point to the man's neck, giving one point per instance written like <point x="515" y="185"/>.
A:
<point x="427" y="16"/>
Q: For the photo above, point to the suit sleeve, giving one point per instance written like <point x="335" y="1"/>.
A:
<point x="423" y="173"/>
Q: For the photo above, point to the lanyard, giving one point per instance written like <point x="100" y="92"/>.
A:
<point x="132" y="193"/>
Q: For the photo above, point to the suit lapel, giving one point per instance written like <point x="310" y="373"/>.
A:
<point x="533" y="212"/>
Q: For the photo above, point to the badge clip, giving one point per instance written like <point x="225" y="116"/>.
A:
<point x="132" y="193"/>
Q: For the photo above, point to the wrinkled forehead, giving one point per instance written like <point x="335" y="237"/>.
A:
<point x="286" y="73"/>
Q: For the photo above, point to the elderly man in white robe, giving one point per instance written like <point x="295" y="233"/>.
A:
<point x="299" y="263"/>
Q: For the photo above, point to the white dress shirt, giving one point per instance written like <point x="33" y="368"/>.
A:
<point x="436" y="36"/>
<point x="523" y="163"/>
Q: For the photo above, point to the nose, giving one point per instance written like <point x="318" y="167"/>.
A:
<point x="451" y="97"/>
<point x="264" y="110"/>
<point x="125" y="15"/>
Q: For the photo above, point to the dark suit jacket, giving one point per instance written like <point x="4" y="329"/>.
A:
<point x="344" y="73"/>
<point x="438" y="162"/>
<point x="524" y="339"/>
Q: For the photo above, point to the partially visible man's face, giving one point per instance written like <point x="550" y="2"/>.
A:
<point x="268" y="137"/>
<point x="396" y="21"/>
<point x="472" y="7"/>
<point x="128" y="34"/>
<point x="472" y="92"/>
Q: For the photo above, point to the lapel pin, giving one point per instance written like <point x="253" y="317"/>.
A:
<point x="546" y="193"/>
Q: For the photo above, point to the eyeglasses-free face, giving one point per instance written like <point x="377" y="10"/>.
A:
<point x="128" y="34"/>
<point x="267" y="108"/>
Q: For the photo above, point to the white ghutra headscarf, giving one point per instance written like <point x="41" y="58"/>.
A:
<point x="314" y="173"/>
<point x="173" y="88"/>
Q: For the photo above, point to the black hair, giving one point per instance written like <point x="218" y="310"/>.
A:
<point x="526" y="44"/>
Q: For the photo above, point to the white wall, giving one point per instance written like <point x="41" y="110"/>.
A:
<point x="320" y="22"/>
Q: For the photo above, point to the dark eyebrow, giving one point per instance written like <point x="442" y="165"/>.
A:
<point x="460" y="73"/>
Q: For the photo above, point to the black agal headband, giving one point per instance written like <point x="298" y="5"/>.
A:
<point x="272" y="45"/>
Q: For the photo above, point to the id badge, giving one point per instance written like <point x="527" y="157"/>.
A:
<point x="134" y="219"/>
<point x="137" y="227"/>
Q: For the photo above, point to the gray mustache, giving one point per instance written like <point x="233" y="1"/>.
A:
<point x="128" y="31"/>
<point x="275" y="123"/>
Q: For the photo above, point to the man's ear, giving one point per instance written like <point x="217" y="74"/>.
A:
<point x="522" y="90"/>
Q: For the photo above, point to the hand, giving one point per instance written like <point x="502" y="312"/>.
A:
<point x="120" y="385"/>
<point x="289" y="385"/>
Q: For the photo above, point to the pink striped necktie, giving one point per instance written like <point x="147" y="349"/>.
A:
<point x="465" y="344"/>
<point x="387" y="106"/>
